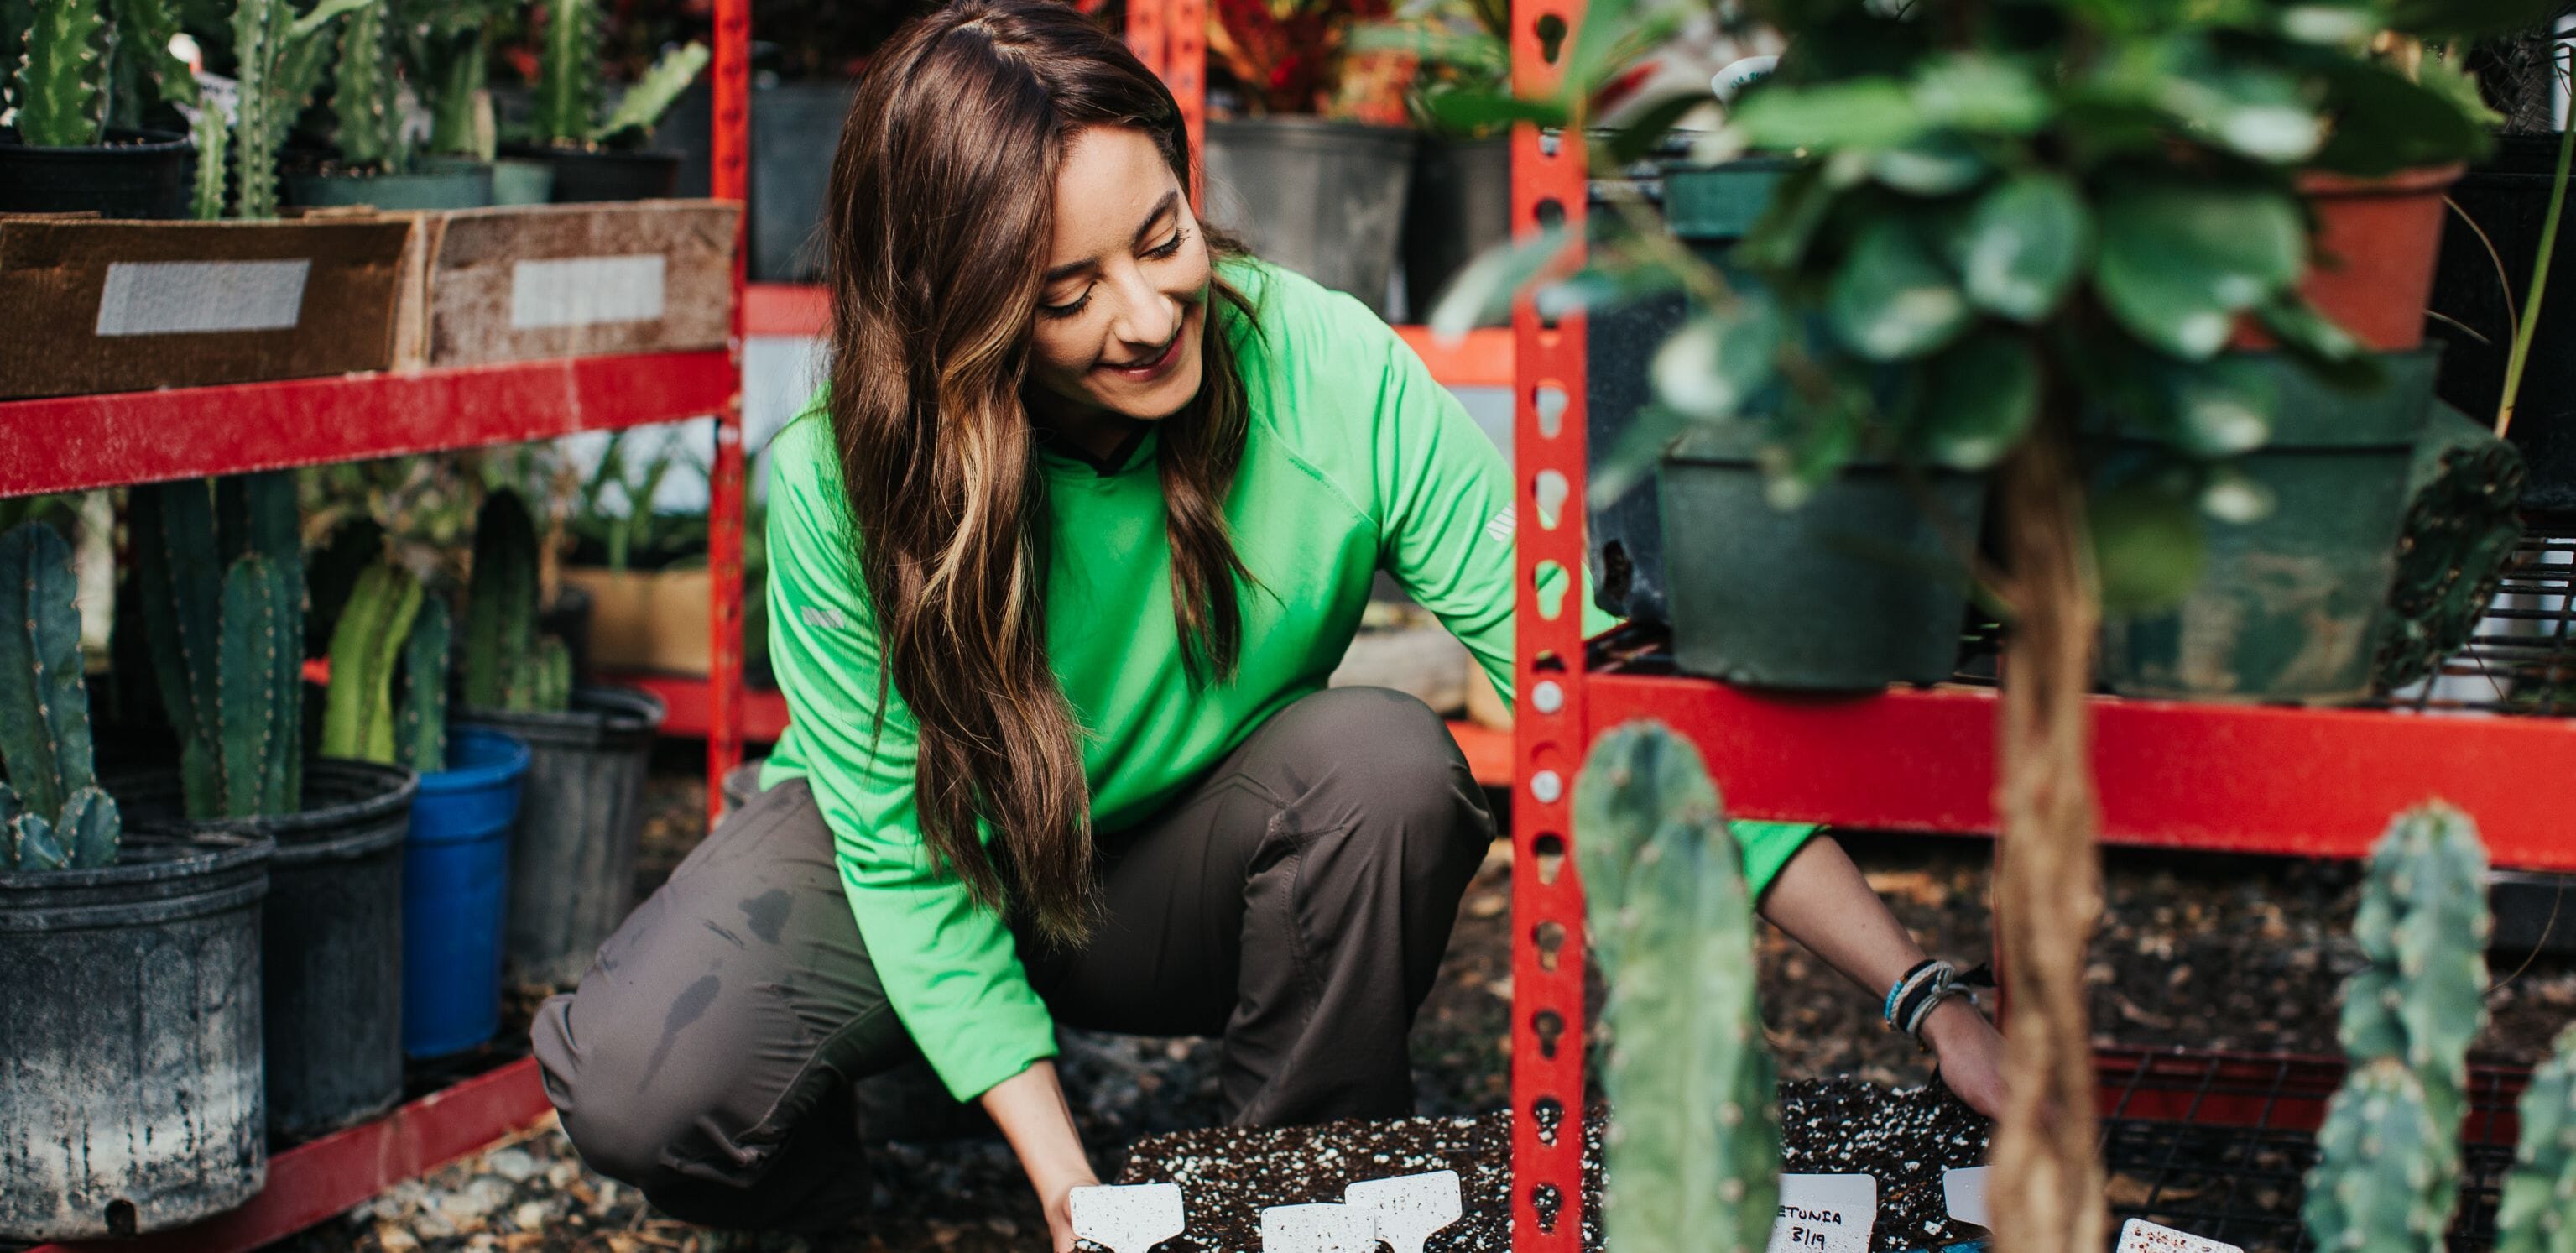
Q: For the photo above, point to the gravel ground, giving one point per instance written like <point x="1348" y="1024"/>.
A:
<point x="2231" y="953"/>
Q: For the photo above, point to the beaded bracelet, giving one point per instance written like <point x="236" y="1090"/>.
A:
<point x="1918" y="992"/>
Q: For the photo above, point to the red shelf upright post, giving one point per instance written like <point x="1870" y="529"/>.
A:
<point x="1549" y="729"/>
<point x="730" y="180"/>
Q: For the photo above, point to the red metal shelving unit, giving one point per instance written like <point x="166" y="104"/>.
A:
<point x="84" y="442"/>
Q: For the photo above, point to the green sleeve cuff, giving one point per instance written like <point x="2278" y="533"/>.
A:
<point x="1766" y="847"/>
<point x="1005" y="1039"/>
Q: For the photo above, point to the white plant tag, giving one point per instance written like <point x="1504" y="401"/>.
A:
<point x="1825" y="1214"/>
<point x="1408" y="1209"/>
<point x="2140" y="1236"/>
<point x="1963" y="1194"/>
<point x="1317" y="1229"/>
<point x="1129" y="1219"/>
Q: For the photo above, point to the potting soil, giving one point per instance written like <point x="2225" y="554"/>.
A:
<point x="1905" y="1138"/>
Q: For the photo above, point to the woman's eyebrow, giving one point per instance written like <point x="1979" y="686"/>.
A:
<point x="1161" y="207"/>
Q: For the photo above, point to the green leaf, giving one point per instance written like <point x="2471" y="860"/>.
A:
<point x="1638" y="138"/>
<point x="2176" y="264"/>
<point x="2221" y="407"/>
<point x="1893" y="298"/>
<point x="1824" y="432"/>
<point x="1977" y="92"/>
<point x="2025" y="243"/>
<point x="2148" y="547"/>
<point x="1780" y="237"/>
<point x="1938" y="164"/>
<point x="644" y="103"/>
<point x="2384" y="122"/>
<point x="1476" y="52"/>
<point x="1469" y="110"/>
<point x="1863" y="113"/>
<point x="1978" y="400"/>
<point x="1483" y="293"/>
<point x="2263" y="113"/>
<point x="1715" y="363"/>
<point x="2327" y="349"/>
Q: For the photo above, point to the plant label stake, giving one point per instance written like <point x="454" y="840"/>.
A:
<point x="1963" y="1194"/>
<point x="1408" y="1209"/>
<point x="1317" y="1229"/>
<point x="1128" y="1219"/>
<point x="1825" y="1214"/>
<point x="2140" y="1236"/>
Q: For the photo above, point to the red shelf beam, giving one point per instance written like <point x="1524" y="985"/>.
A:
<point x="2220" y="778"/>
<point x="311" y="1182"/>
<point x="75" y="443"/>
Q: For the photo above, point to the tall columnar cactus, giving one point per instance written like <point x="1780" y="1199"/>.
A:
<point x="2379" y="1186"/>
<point x="365" y="104"/>
<point x="548" y="684"/>
<point x="2414" y="1008"/>
<point x="62" y="104"/>
<point x="421" y="722"/>
<point x="139" y="62"/>
<point x="359" y="715"/>
<point x="52" y="814"/>
<point x="568" y="91"/>
<point x="2537" y="1213"/>
<point x="442" y="47"/>
<point x="504" y="665"/>
<point x="281" y="59"/>
<point x="1693" y="1155"/>
<point x="227" y="640"/>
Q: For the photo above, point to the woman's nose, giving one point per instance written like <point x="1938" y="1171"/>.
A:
<point x="1146" y="316"/>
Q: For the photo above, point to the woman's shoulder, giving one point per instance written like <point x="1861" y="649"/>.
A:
<point x="801" y="457"/>
<point x="1291" y="305"/>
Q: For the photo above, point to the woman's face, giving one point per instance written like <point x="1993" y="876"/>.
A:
<point x="1125" y="295"/>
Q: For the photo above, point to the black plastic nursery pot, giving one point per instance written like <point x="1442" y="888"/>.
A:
<point x="1460" y="204"/>
<point x="2289" y="607"/>
<point x="1858" y="588"/>
<point x="333" y="986"/>
<point x="586" y="176"/>
<point x="2505" y="201"/>
<point x="1325" y="199"/>
<point x="437" y="185"/>
<point x="1710" y="208"/>
<point x="130" y="1076"/>
<point x="136" y="174"/>
<point x="581" y="813"/>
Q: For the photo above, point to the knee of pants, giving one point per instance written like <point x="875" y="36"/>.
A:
<point x="1397" y="771"/>
<point x="623" y="1109"/>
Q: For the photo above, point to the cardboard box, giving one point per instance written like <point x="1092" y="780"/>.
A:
<point x="647" y="619"/>
<point x="108" y="306"/>
<point x="536" y="281"/>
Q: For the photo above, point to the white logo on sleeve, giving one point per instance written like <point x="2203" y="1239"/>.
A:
<point x="828" y="619"/>
<point x="1500" y="528"/>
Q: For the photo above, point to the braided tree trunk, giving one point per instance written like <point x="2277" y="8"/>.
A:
<point x="2047" y="1191"/>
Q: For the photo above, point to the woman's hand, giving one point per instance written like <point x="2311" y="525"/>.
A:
<point x="1971" y="1054"/>
<point x="1030" y="1109"/>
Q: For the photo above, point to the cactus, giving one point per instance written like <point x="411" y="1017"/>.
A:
<point x="227" y="642"/>
<point x="501" y="605"/>
<point x="422" y="721"/>
<point x="213" y="143"/>
<point x="359" y="717"/>
<point x="1693" y="1156"/>
<point x="568" y="92"/>
<point x="52" y="814"/>
<point x="281" y="61"/>
<point x="60" y="79"/>
<point x="444" y="61"/>
<point x="365" y="105"/>
<point x="2537" y="1212"/>
<point x="550" y="680"/>
<point x="2461" y="528"/>
<point x="2410" y="1013"/>
<point x="2378" y="1186"/>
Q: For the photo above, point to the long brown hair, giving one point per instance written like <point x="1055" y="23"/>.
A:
<point x="942" y="207"/>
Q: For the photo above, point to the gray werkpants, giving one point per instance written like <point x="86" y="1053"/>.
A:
<point x="1296" y="902"/>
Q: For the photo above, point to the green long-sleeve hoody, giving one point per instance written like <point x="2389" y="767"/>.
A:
<point x="1357" y="461"/>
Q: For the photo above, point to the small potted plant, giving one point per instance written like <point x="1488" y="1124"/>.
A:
<point x="601" y="156"/>
<point x="572" y="864"/>
<point x="1459" y="203"/>
<point x="150" y="938"/>
<point x="376" y="162"/>
<point x="1312" y="168"/>
<point x="79" y="81"/>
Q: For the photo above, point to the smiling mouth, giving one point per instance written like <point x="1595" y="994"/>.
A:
<point x="1160" y="359"/>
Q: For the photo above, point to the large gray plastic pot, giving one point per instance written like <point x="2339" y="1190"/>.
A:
<point x="581" y="825"/>
<point x="1325" y="199"/>
<point x="130" y="1079"/>
<point x="1460" y="204"/>
<point x="333" y="936"/>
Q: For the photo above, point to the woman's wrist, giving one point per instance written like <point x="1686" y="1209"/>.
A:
<point x="1950" y="1020"/>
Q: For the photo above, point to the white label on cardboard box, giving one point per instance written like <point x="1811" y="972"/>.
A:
<point x="585" y="291"/>
<point x="2140" y="1236"/>
<point x="201" y="297"/>
<point x="1825" y="1214"/>
<point x="1963" y="1194"/>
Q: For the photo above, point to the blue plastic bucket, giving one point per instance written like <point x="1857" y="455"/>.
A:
<point x="456" y="884"/>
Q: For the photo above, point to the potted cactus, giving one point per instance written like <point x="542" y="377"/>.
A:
<point x="81" y="77"/>
<point x="221" y="576"/>
<point x="598" y="156"/>
<point x="376" y="161"/>
<point x="150" y="939"/>
<point x="572" y="864"/>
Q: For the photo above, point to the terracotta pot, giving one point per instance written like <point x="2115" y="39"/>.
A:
<point x="2377" y="243"/>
